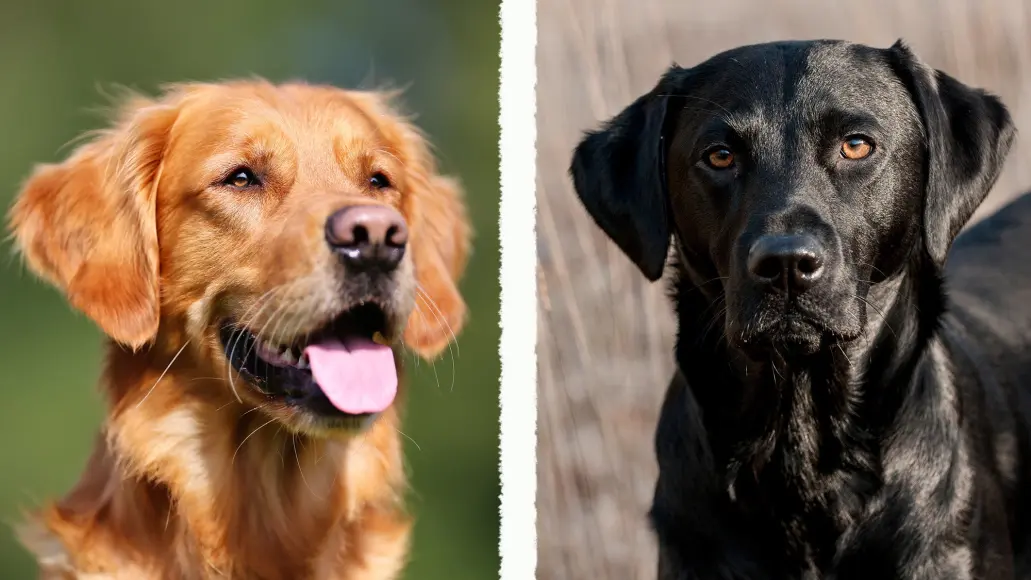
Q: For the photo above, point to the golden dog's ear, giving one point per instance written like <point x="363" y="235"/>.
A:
<point x="87" y="225"/>
<point x="439" y="243"/>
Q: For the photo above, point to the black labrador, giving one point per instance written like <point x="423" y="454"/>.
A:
<point x="846" y="405"/>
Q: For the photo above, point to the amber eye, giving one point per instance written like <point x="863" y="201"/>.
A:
<point x="379" y="181"/>
<point x="242" y="178"/>
<point x="856" y="148"/>
<point x="720" y="158"/>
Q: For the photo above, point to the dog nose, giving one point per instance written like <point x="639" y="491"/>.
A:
<point x="368" y="236"/>
<point x="793" y="262"/>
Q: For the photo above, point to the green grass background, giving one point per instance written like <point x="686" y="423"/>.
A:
<point x="57" y="58"/>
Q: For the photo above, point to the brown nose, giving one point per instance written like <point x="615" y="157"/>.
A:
<point x="368" y="236"/>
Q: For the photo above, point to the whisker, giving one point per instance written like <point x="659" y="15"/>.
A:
<point x="442" y="321"/>
<point x="844" y="354"/>
<point x="229" y="365"/>
<point x="163" y="373"/>
<point x="279" y="449"/>
<point x="704" y="100"/>
<point x="433" y="366"/>
<point x="260" y="300"/>
<point x="879" y="313"/>
<point x="252" y="409"/>
<point x="249" y="435"/>
<point x="698" y="287"/>
<point x="875" y="268"/>
<point x="405" y="435"/>
<point x="284" y="302"/>
<point x="264" y="300"/>
<point x="284" y="292"/>
<point x="241" y="324"/>
<point x="293" y="441"/>
<point x="279" y="336"/>
<point x="721" y="307"/>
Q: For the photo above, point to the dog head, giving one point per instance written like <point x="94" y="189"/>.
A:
<point x="794" y="176"/>
<point x="287" y="235"/>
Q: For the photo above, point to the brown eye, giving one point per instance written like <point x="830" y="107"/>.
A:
<point x="720" y="158"/>
<point x="379" y="181"/>
<point x="242" y="178"/>
<point x="856" y="148"/>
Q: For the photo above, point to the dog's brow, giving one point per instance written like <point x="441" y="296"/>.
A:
<point x="745" y="124"/>
<point x="254" y="154"/>
<point x="841" y="121"/>
<point x="716" y="132"/>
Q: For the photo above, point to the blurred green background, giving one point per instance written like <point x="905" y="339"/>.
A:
<point x="57" y="58"/>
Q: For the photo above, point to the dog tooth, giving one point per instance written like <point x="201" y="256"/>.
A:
<point x="302" y="361"/>
<point x="288" y="356"/>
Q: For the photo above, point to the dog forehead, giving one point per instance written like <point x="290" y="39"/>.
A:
<point x="293" y="111"/>
<point x="851" y="76"/>
<point x="781" y="80"/>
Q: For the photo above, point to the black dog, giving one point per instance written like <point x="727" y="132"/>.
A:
<point x="845" y="405"/>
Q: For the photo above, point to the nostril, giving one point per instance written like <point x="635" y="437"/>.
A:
<point x="808" y="265"/>
<point x="359" y="235"/>
<point x="769" y="267"/>
<point x="395" y="237"/>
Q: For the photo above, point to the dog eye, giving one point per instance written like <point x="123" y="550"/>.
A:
<point x="242" y="178"/>
<point x="720" y="158"/>
<point x="856" y="148"/>
<point x="379" y="181"/>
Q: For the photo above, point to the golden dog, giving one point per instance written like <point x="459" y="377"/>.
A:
<point x="257" y="255"/>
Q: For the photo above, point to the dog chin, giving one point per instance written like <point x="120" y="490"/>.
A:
<point x="321" y="427"/>
<point x="789" y="334"/>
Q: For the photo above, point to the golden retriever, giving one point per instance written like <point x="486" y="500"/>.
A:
<point x="257" y="254"/>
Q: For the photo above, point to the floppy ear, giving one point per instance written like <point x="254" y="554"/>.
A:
<point x="619" y="174"/>
<point x="969" y="133"/>
<point x="439" y="243"/>
<point x="87" y="225"/>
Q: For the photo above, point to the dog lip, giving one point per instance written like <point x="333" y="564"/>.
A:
<point x="369" y="318"/>
<point x="793" y="328"/>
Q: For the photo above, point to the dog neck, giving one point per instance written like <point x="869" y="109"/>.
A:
<point x="189" y="483"/>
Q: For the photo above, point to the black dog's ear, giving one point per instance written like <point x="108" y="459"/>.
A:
<point x="969" y="133"/>
<point x="619" y="174"/>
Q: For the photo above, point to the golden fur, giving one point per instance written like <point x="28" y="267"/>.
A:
<point x="195" y="475"/>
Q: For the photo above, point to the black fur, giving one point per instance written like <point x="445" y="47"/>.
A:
<point x="874" y="423"/>
<point x="628" y="196"/>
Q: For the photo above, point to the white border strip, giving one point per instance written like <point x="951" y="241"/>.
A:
<point x="518" y="289"/>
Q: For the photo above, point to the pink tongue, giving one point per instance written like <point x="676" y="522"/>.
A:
<point x="358" y="376"/>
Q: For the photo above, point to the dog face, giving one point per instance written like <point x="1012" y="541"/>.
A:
<point x="794" y="176"/>
<point x="288" y="235"/>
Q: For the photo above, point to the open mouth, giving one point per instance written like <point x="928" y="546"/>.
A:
<point x="345" y="368"/>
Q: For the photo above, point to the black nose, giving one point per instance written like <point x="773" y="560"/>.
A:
<point x="792" y="262"/>
<point x="368" y="236"/>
